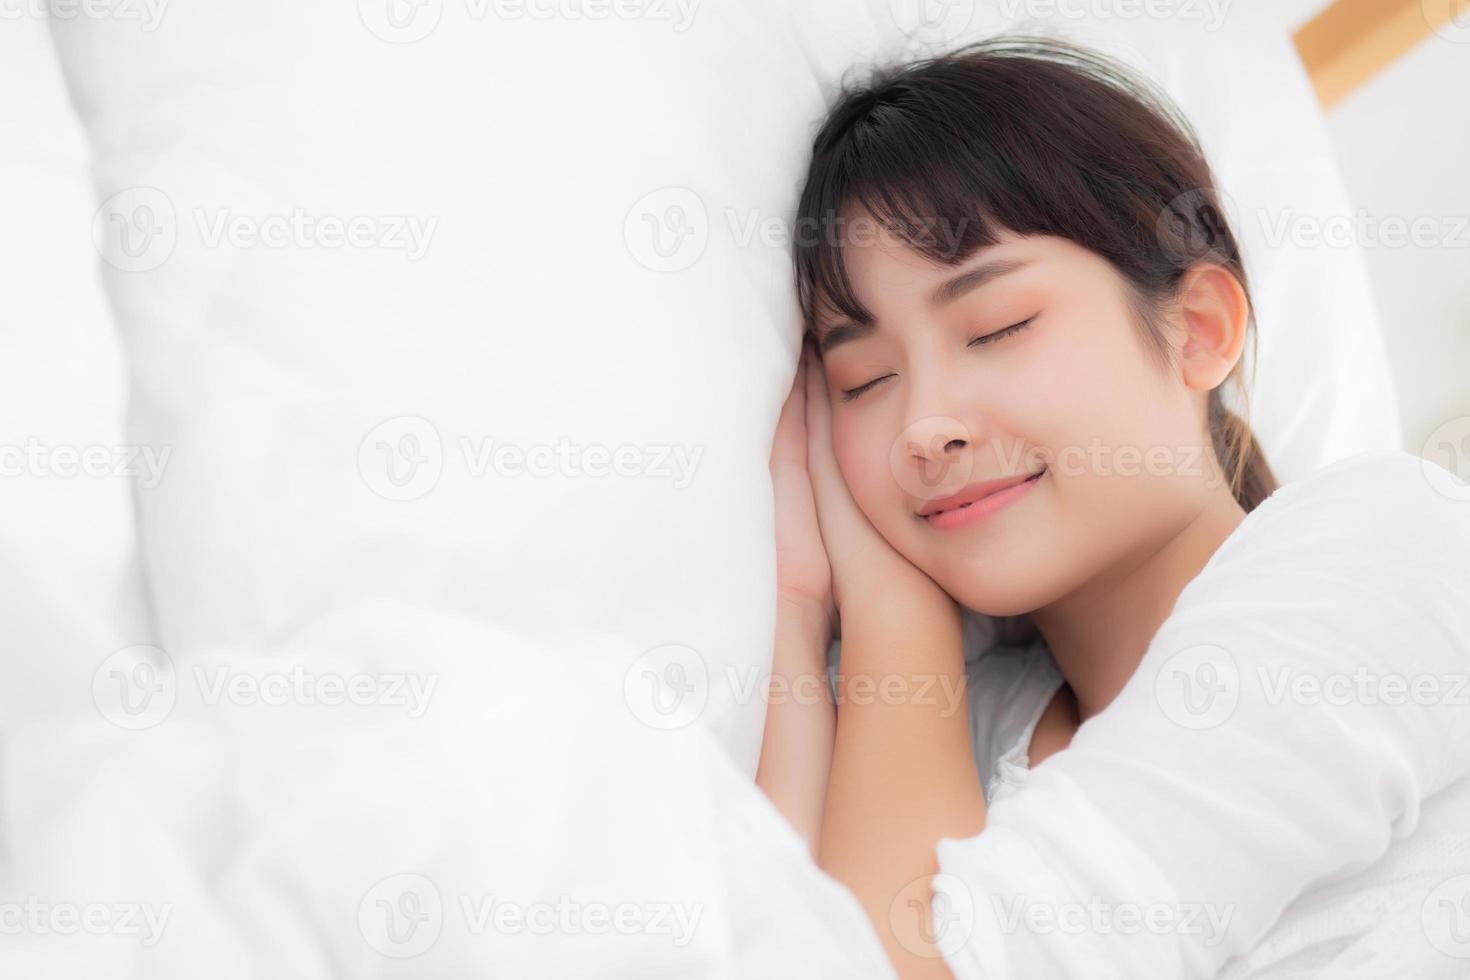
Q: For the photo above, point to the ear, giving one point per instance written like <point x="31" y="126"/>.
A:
<point x="1215" y="312"/>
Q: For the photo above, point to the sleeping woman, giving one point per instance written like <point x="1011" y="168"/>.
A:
<point x="1221" y="727"/>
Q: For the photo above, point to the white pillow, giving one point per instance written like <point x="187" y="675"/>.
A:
<point x="70" y="582"/>
<point x="578" y="230"/>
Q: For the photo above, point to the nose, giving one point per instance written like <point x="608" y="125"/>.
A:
<point x="934" y="454"/>
<point x="931" y="457"/>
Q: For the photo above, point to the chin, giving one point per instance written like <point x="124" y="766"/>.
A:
<point x="991" y="594"/>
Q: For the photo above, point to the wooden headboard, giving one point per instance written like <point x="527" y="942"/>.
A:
<point x="1351" y="40"/>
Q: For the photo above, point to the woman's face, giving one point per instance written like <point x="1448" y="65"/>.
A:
<point x="1024" y="359"/>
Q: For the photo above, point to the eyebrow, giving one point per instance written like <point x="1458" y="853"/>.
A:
<point x="945" y="293"/>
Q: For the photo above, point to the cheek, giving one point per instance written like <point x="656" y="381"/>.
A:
<point x="1091" y="386"/>
<point x="859" y="447"/>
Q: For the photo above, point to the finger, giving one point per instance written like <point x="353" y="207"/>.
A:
<point x="818" y="420"/>
<point x="789" y="443"/>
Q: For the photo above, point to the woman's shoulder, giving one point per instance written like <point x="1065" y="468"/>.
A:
<point x="1365" y="559"/>
<point x="1371" y="510"/>
<point x="1389" y="476"/>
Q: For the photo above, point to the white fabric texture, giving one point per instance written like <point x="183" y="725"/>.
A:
<point x="1285" y="780"/>
<point x="388" y="837"/>
<point x="71" y="585"/>
<point x="1007" y="690"/>
<point x="327" y="402"/>
<point x="575" y="232"/>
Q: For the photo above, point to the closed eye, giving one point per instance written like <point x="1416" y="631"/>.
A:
<point x="851" y="393"/>
<point x="1003" y="332"/>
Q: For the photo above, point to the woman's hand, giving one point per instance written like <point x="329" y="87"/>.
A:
<point x="864" y="566"/>
<point x="803" y="574"/>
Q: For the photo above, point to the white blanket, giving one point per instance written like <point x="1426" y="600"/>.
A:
<point x="400" y="794"/>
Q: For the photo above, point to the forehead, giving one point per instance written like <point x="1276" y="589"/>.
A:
<point x="884" y="270"/>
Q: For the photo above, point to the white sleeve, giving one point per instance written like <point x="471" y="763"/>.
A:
<point x="1303" y="698"/>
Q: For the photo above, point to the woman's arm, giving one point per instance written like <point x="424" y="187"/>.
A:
<point x="796" y="751"/>
<point x="1269" y="744"/>
<point x="903" y="768"/>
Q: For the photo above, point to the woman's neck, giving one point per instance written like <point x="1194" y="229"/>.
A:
<point x="1099" y="633"/>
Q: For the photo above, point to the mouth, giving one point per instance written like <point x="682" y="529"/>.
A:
<point x="977" y="501"/>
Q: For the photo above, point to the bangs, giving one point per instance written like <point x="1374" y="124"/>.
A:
<point x="1029" y="136"/>
<point x="929" y="202"/>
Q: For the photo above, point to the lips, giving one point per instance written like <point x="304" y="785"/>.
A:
<point x="973" y="493"/>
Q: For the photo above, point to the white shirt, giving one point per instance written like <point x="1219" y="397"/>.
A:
<point x="1282" y="789"/>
